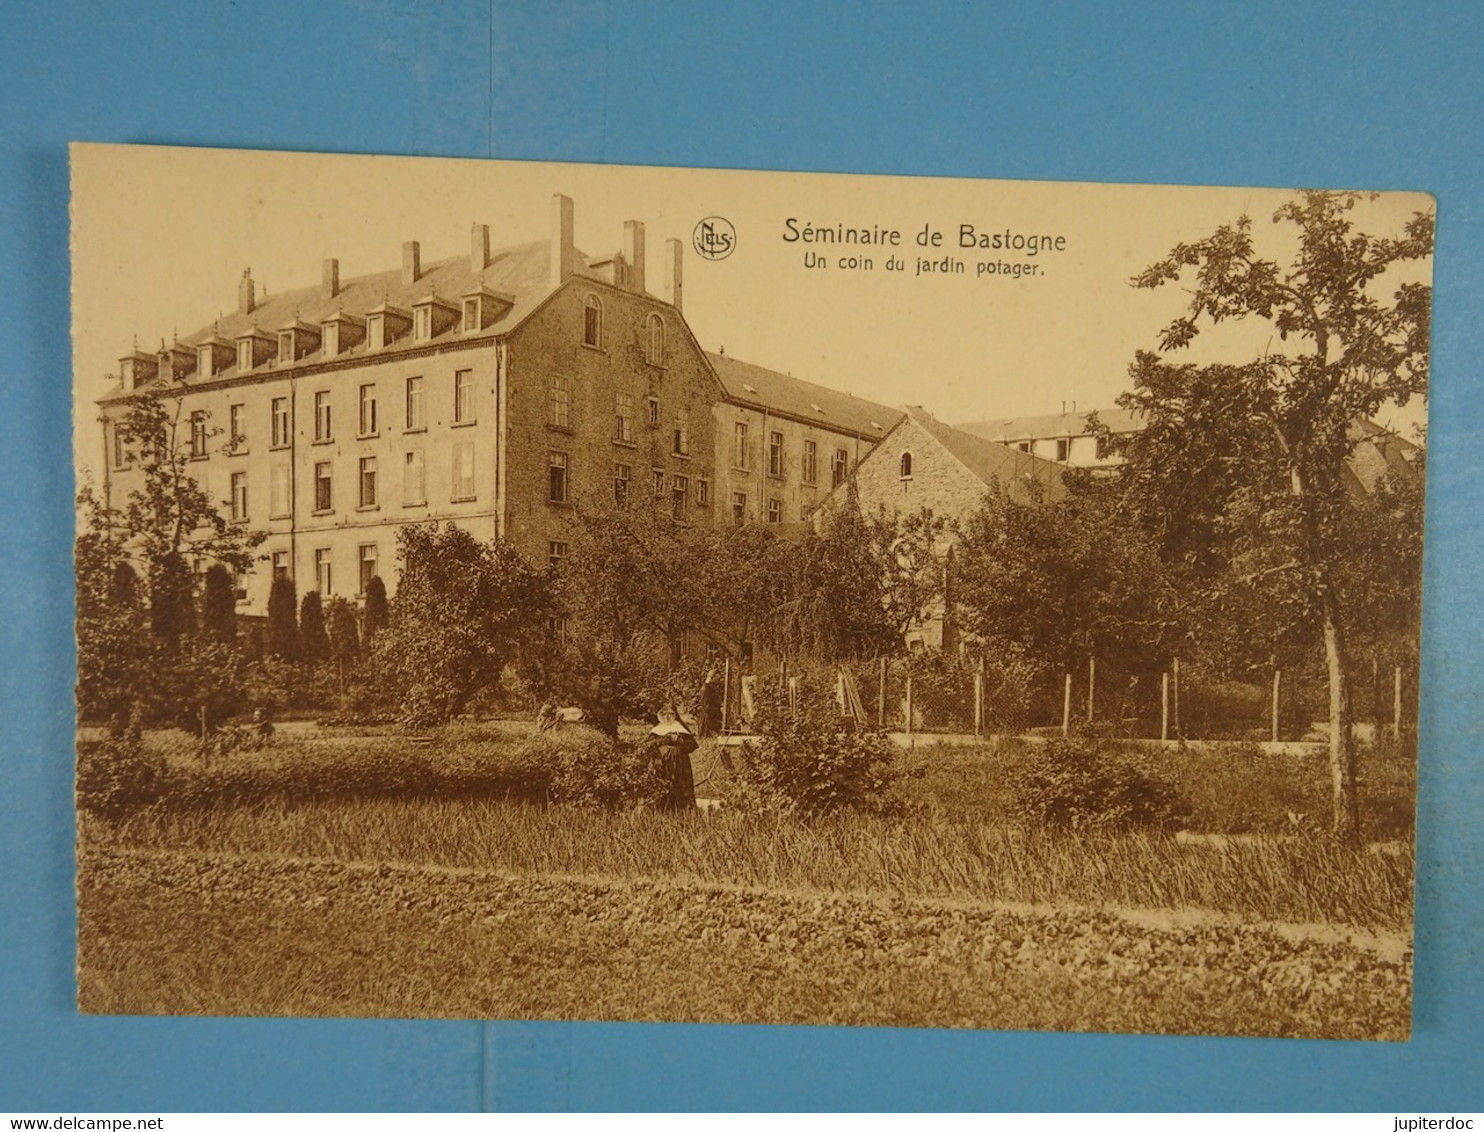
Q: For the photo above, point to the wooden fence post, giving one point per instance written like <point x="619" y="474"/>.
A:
<point x="1066" y="708"/>
<point x="1092" y="680"/>
<point x="881" y="698"/>
<point x="726" y="693"/>
<point x="1164" y="707"/>
<point x="1176" y="681"/>
<point x="909" y="709"/>
<point x="1277" y="685"/>
<point x="979" y="698"/>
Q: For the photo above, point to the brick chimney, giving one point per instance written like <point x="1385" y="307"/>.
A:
<point x="245" y="299"/>
<point x="563" y="254"/>
<point x="412" y="265"/>
<point x="633" y="253"/>
<point x="673" y="264"/>
<point x="330" y="279"/>
<point x="479" y="248"/>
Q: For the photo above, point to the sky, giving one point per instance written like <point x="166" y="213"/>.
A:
<point x="161" y="235"/>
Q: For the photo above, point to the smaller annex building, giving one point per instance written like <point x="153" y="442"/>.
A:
<point x="922" y="463"/>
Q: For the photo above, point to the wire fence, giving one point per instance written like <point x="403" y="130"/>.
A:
<point x="931" y="694"/>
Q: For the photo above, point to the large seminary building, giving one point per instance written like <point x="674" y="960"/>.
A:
<point x="499" y="391"/>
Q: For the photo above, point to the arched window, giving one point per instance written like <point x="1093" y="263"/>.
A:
<point x="906" y="465"/>
<point x="654" y="341"/>
<point x="592" y="323"/>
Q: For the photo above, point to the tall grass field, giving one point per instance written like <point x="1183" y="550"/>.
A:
<point x="348" y="875"/>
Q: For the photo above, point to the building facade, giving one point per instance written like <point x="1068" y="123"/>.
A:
<point x="504" y="392"/>
<point x="499" y="392"/>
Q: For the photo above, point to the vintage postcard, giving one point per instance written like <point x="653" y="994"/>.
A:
<point x="520" y="590"/>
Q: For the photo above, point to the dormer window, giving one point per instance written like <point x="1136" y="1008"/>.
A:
<point x="339" y="332"/>
<point x="422" y="323"/>
<point x="471" y="315"/>
<point x="654" y="340"/>
<point x="592" y="323"/>
<point x="376" y="332"/>
<point x="906" y="465"/>
<point x="244" y="353"/>
<point x="205" y="361"/>
<point x="285" y="347"/>
<point x="384" y="325"/>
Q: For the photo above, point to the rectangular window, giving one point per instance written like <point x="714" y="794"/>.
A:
<point x="280" y="564"/>
<point x="244" y="353"/>
<point x="555" y="552"/>
<point x="416" y="421"/>
<point x="657" y="483"/>
<point x="322" y="570"/>
<point x="623" y="418"/>
<point x="368" y="410"/>
<point x="239" y="496"/>
<point x="120" y="446"/>
<point x="739" y="508"/>
<point x="235" y="417"/>
<point x="654" y="412"/>
<point x="682" y="433"/>
<point x="592" y="323"/>
<point x="376" y="332"/>
<point x="280" y="506"/>
<point x="198" y="435"/>
<point x="322" y="422"/>
<point x="1061" y="449"/>
<point x="1023" y="445"/>
<point x="739" y="446"/>
<point x="368" y="481"/>
<point x="471" y="315"/>
<point x="1103" y="447"/>
<point x="839" y="467"/>
<point x="324" y="499"/>
<point x="414" y="480"/>
<point x="463" y="397"/>
<point x="285" y="347"/>
<point x="463" y="472"/>
<point x="280" y="422"/>
<point x="368" y="567"/>
<point x="561" y="402"/>
<point x="422" y="323"/>
<point x="811" y="462"/>
<point x="775" y="511"/>
<point x="703" y="493"/>
<point x="622" y="474"/>
<point x="775" y="454"/>
<point x="330" y="339"/>
<point x="556" y="484"/>
<point x="679" y="490"/>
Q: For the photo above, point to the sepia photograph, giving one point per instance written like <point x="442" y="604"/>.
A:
<point x="519" y="590"/>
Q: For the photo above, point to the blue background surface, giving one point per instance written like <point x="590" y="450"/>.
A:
<point x="1375" y="95"/>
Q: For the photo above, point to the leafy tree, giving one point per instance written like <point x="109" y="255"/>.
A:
<point x="855" y="588"/>
<point x="462" y="609"/>
<point x="314" y="641"/>
<point x="1064" y="580"/>
<point x="219" y="606"/>
<point x="283" y="621"/>
<point x="113" y="641"/>
<point x="376" y="613"/>
<point x="1247" y="462"/>
<point x="142" y="658"/>
<point x="341" y="626"/>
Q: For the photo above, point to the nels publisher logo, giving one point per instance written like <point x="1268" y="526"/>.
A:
<point x="714" y="238"/>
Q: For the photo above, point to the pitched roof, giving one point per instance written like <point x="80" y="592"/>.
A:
<point x="520" y="272"/>
<point x="1377" y="451"/>
<point x="1051" y="425"/>
<point x="991" y="462"/>
<point x="768" y="390"/>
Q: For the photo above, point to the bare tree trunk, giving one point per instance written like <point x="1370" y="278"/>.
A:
<point x="1341" y="739"/>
